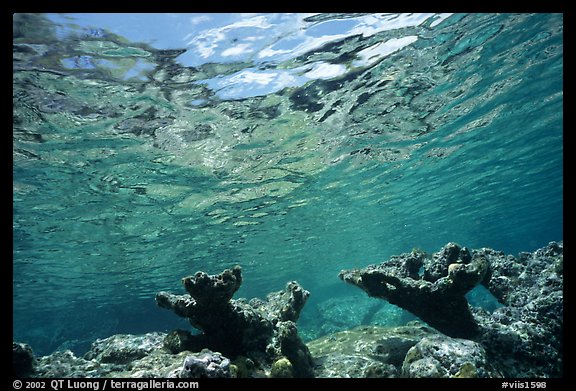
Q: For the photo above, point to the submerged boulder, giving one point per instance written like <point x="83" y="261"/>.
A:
<point x="152" y="361"/>
<point x="65" y="364"/>
<point x="366" y="351"/>
<point x="441" y="356"/>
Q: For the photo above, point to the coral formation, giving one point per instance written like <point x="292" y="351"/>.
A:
<point x="529" y="327"/>
<point x="437" y="297"/>
<point x="262" y="330"/>
<point x="282" y="368"/>
<point x="241" y="367"/>
<point x="524" y="336"/>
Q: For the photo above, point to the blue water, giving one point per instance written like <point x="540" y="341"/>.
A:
<point x="292" y="145"/>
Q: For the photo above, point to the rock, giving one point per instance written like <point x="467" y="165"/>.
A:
<point x="437" y="297"/>
<point x="425" y="367"/>
<point x="287" y="344"/>
<point x="287" y="304"/>
<point x="262" y="330"/>
<point x="467" y="371"/>
<point x="443" y="356"/>
<point x="523" y="338"/>
<point x="181" y="340"/>
<point x="282" y="368"/>
<point x="366" y="351"/>
<point x="436" y="266"/>
<point x="124" y="348"/>
<point x="23" y="359"/>
<point x="216" y="290"/>
<point x="353" y="366"/>
<point x="206" y="364"/>
<point x="241" y="367"/>
<point x="66" y="364"/>
<point x="157" y="364"/>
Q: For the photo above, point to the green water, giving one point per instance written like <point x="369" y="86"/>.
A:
<point x="132" y="169"/>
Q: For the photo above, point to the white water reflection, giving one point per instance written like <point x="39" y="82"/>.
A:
<point x="262" y="40"/>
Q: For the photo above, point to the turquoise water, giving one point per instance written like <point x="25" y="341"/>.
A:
<point x="292" y="145"/>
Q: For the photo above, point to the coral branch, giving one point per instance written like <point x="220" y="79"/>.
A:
<point x="437" y="297"/>
<point x="234" y="327"/>
<point x="528" y="328"/>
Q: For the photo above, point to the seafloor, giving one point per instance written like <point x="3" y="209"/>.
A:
<point x="453" y="339"/>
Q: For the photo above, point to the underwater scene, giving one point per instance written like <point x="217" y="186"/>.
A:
<point x="288" y="195"/>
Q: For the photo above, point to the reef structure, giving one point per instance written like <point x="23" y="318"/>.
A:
<point x="264" y="331"/>
<point x="523" y="337"/>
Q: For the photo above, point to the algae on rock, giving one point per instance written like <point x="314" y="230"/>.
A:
<point x="262" y="330"/>
<point x="437" y="297"/>
<point x="523" y="337"/>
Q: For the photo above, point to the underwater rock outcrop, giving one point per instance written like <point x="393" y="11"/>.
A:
<point x="437" y="297"/>
<point x="439" y="356"/>
<point x="123" y="348"/>
<point x="132" y="356"/>
<point x="366" y="351"/>
<point x="524" y="336"/>
<point x="529" y="327"/>
<point x="262" y="330"/>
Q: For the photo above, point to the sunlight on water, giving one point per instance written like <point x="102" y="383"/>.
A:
<point x="293" y="145"/>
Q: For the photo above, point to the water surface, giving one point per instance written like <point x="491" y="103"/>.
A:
<point x="147" y="147"/>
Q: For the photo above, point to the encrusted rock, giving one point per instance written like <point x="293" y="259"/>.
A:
<point x="156" y="363"/>
<point x="287" y="343"/>
<point x="523" y="337"/>
<point x="181" y="340"/>
<point x="442" y="356"/>
<point x="366" y="351"/>
<point x="437" y="297"/>
<point x="124" y="348"/>
<point x="529" y="328"/>
<point x="353" y="366"/>
<point x="436" y="266"/>
<point x="66" y="364"/>
<point x="234" y="327"/>
<point x="282" y="368"/>
<point x="214" y="290"/>
<point x="205" y="364"/>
